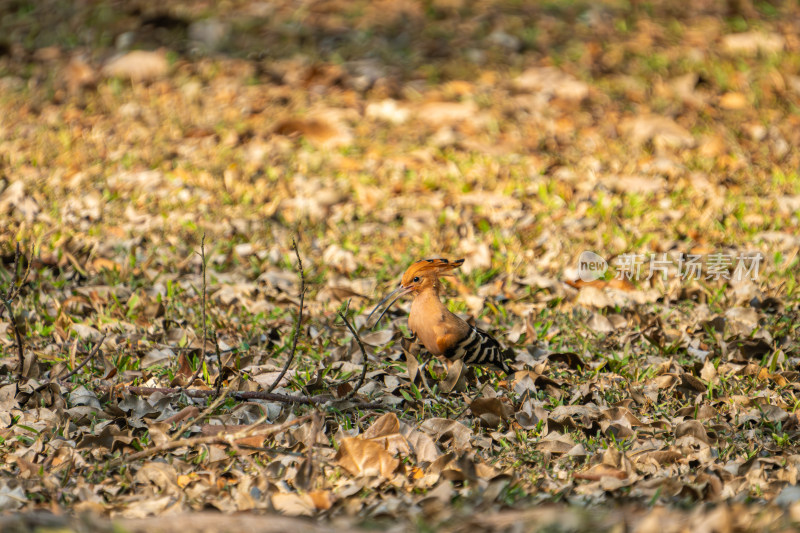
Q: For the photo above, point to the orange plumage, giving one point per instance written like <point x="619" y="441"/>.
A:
<point x="440" y="331"/>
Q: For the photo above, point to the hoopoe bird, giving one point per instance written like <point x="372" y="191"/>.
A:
<point x="441" y="332"/>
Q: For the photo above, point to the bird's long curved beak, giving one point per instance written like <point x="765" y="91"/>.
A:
<point x="402" y="290"/>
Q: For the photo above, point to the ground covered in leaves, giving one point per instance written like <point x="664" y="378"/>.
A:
<point x="142" y="140"/>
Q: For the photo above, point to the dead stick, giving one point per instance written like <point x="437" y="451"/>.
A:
<point x="12" y="288"/>
<point x="363" y="353"/>
<point x="299" y="320"/>
<point x="466" y="407"/>
<point x="203" y="270"/>
<point x="11" y="294"/>
<point x="224" y="439"/>
<point x="17" y="336"/>
<point x="245" y="396"/>
<point x="16" y="286"/>
<point x="202" y="415"/>
<point x="219" y="363"/>
<point x="252" y="395"/>
<point x="85" y="361"/>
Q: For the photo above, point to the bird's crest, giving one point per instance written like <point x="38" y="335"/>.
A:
<point x="430" y="267"/>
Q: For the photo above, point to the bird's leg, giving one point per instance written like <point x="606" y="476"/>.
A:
<point x="424" y="380"/>
<point x="412" y="348"/>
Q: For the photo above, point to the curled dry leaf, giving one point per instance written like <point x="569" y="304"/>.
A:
<point x="456" y="377"/>
<point x="339" y="258"/>
<point x="601" y="470"/>
<point x="162" y="475"/>
<point x="529" y="416"/>
<point x="572" y="359"/>
<point x="423" y="447"/>
<point x="442" y="430"/>
<point x="366" y="458"/>
<point x="694" y="429"/>
<point x="555" y="444"/>
<point x="600" y="323"/>
<point x="292" y="504"/>
<point x="386" y="431"/>
<point x="377" y="338"/>
<point x="491" y="411"/>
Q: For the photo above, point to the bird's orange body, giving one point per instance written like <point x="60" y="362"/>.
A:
<point x="441" y="332"/>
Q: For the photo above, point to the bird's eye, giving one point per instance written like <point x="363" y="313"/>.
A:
<point x="416" y="279"/>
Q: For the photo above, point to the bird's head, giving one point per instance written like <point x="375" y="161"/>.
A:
<point x="423" y="274"/>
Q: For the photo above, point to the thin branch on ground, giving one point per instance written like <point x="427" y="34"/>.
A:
<point x="85" y="361"/>
<point x="255" y="465"/>
<point x="424" y="380"/>
<point x="251" y="395"/>
<point x="474" y="397"/>
<point x="343" y="315"/>
<point x="17" y="336"/>
<point x="316" y="427"/>
<point x="283" y="451"/>
<point x="208" y="410"/>
<point x="219" y="364"/>
<point x="17" y="283"/>
<point x="78" y="368"/>
<point x="14" y="288"/>
<point x="320" y="400"/>
<point x="202" y="360"/>
<point x="223" y="439"/>
<point x="299" y="324"/>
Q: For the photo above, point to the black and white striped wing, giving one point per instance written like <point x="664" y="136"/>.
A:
<point x="479" y="348"/>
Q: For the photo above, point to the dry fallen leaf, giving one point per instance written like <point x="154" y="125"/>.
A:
<point x="366" y="458"/>
<point x="443" y="429"/>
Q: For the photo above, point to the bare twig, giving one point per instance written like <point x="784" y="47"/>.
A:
<point x="85" y="361"/>
<point x="13" y="285"/>
<point x="316" y="427"/>
<point x="14" y="288"/>
<point x="466" y="407"/>
<point x="323" y="399"/>
<point x="219" y="363"/>
<point x="223" y="439"/>
<point x="17" y="336"/>
<point x="251" y="395"/>
<point x="202" y="415"/>
<point x="360" y="383"/>
<point x="424" y="380"/>
<point x="77" y="369"/>
<point x="202" y="360"/>
<point x="299" y="320"/>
